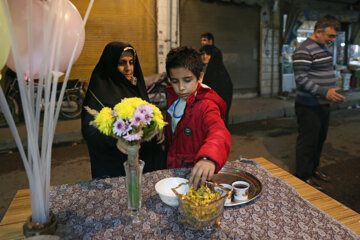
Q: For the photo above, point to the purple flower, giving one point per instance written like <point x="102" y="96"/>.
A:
<point x="128" y="126"/>
<point x="121" y="127"/>
<point x="133" y="137"/>
<point x="137" y="118"/>
<point x="148" y="118"/>
<point x="146" y="111"/>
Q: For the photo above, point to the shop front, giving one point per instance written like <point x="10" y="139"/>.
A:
<point x="346" y="48"/>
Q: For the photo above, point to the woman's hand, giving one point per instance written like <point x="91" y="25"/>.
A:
<point x="120" y="145"/>
<point x="160" y="136"/>
<point x="202" y="171"/>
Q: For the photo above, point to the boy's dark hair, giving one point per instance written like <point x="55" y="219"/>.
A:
<point x="327" y="21"/>
<point x="208" y="49"/>
<point x="185" y="57"/>
<point x="208" y="36"/>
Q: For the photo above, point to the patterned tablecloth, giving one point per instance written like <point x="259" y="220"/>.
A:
<point x="95" y="210"/>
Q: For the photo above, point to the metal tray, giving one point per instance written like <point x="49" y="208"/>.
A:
<point x="230" y="175"/>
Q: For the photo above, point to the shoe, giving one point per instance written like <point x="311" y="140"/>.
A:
<point x="314" y="184"/>
<point x="321" y="175"/>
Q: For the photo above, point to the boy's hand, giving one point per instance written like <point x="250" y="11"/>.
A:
<point x="202" y="171"/>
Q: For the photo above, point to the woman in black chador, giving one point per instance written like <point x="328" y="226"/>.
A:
<point x="216" y="76"/>
<point x="117" y="75"/>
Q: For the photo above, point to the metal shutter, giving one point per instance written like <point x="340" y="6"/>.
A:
<point x="236" y="29"/>
<point x="132" y="21"/>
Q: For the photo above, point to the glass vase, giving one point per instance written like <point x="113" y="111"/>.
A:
<point x="133" y="169"/>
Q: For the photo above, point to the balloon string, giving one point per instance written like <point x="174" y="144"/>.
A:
<point x="31" y="55"/>
<point x="30" y="91"/>
<point x="47" y="96"/>
<point x="46" y="37"/>
<point x="46" y="58"/>
<point x="41" y="72"/>
<point x="59" y="26"/>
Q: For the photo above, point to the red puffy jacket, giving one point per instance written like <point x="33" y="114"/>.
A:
<point x="201" y="132"/>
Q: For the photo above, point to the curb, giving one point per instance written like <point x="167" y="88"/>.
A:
<point x="9" y="145"/>
<point x="258" y="116"/>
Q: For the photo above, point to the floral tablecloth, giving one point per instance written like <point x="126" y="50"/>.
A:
<point x="95" y="210"/>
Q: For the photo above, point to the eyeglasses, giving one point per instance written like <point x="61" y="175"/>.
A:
<point x="331" y="36"/>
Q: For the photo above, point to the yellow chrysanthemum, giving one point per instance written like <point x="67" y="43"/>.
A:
<point x="135" y="101"/>
<point x="126" y="108"/>
<point x="159" y="121"/>
<point x="124" y="111"/>
<point x="156" y="110"/>
<point x="158" y="117"/>
<point x="104" y="121"/>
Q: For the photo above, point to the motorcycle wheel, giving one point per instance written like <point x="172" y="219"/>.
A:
<point x="14" y="110"/>
<point x="71" y="107"/>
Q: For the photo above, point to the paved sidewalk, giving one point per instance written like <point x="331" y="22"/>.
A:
<point x="259" y="108"/>
<point x="242" y="110"/>
<point x="66" y="131"/>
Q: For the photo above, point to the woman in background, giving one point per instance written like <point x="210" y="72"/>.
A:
<point x="117" y="75"/>
<point x="216" y="76"/>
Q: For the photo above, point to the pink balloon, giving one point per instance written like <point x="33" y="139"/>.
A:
<point x="71" y="30"/>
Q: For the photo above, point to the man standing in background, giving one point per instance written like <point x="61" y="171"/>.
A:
<point x="208" y="39"/>
<point x="315" y="80"/>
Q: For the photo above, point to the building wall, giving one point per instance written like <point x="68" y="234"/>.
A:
<point x="132" y="21"/>
<point x="167" y="31"/>
<point x="270" y="78"/>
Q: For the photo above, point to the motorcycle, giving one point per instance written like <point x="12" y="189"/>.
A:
<point x="71" y="105"/>
<point x="155" y="86"/>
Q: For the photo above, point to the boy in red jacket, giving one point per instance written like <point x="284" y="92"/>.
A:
<point x="196" y="134"/>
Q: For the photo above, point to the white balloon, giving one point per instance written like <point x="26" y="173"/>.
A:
<point x="72" y="29"/>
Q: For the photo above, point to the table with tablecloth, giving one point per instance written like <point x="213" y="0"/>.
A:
<point x="95" y="210"/>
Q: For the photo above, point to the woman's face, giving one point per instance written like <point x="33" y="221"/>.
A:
<point x="126" y="64"/>
<point x="205" y="58"/>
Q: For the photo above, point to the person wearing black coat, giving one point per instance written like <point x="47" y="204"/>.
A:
<point x="116" y="77"/>
<point x="209" y="39"/>
<point x="216" y="76"/>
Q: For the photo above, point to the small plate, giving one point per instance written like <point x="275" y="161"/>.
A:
<point x="230" y="175"/>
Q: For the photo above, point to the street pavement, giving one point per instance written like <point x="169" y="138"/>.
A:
<point x="242" y="110"/>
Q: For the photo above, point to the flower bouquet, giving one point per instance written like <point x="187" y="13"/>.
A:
<point x="131" y="121"/>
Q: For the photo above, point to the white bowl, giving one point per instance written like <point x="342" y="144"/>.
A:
<point x="166" y="194"/>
